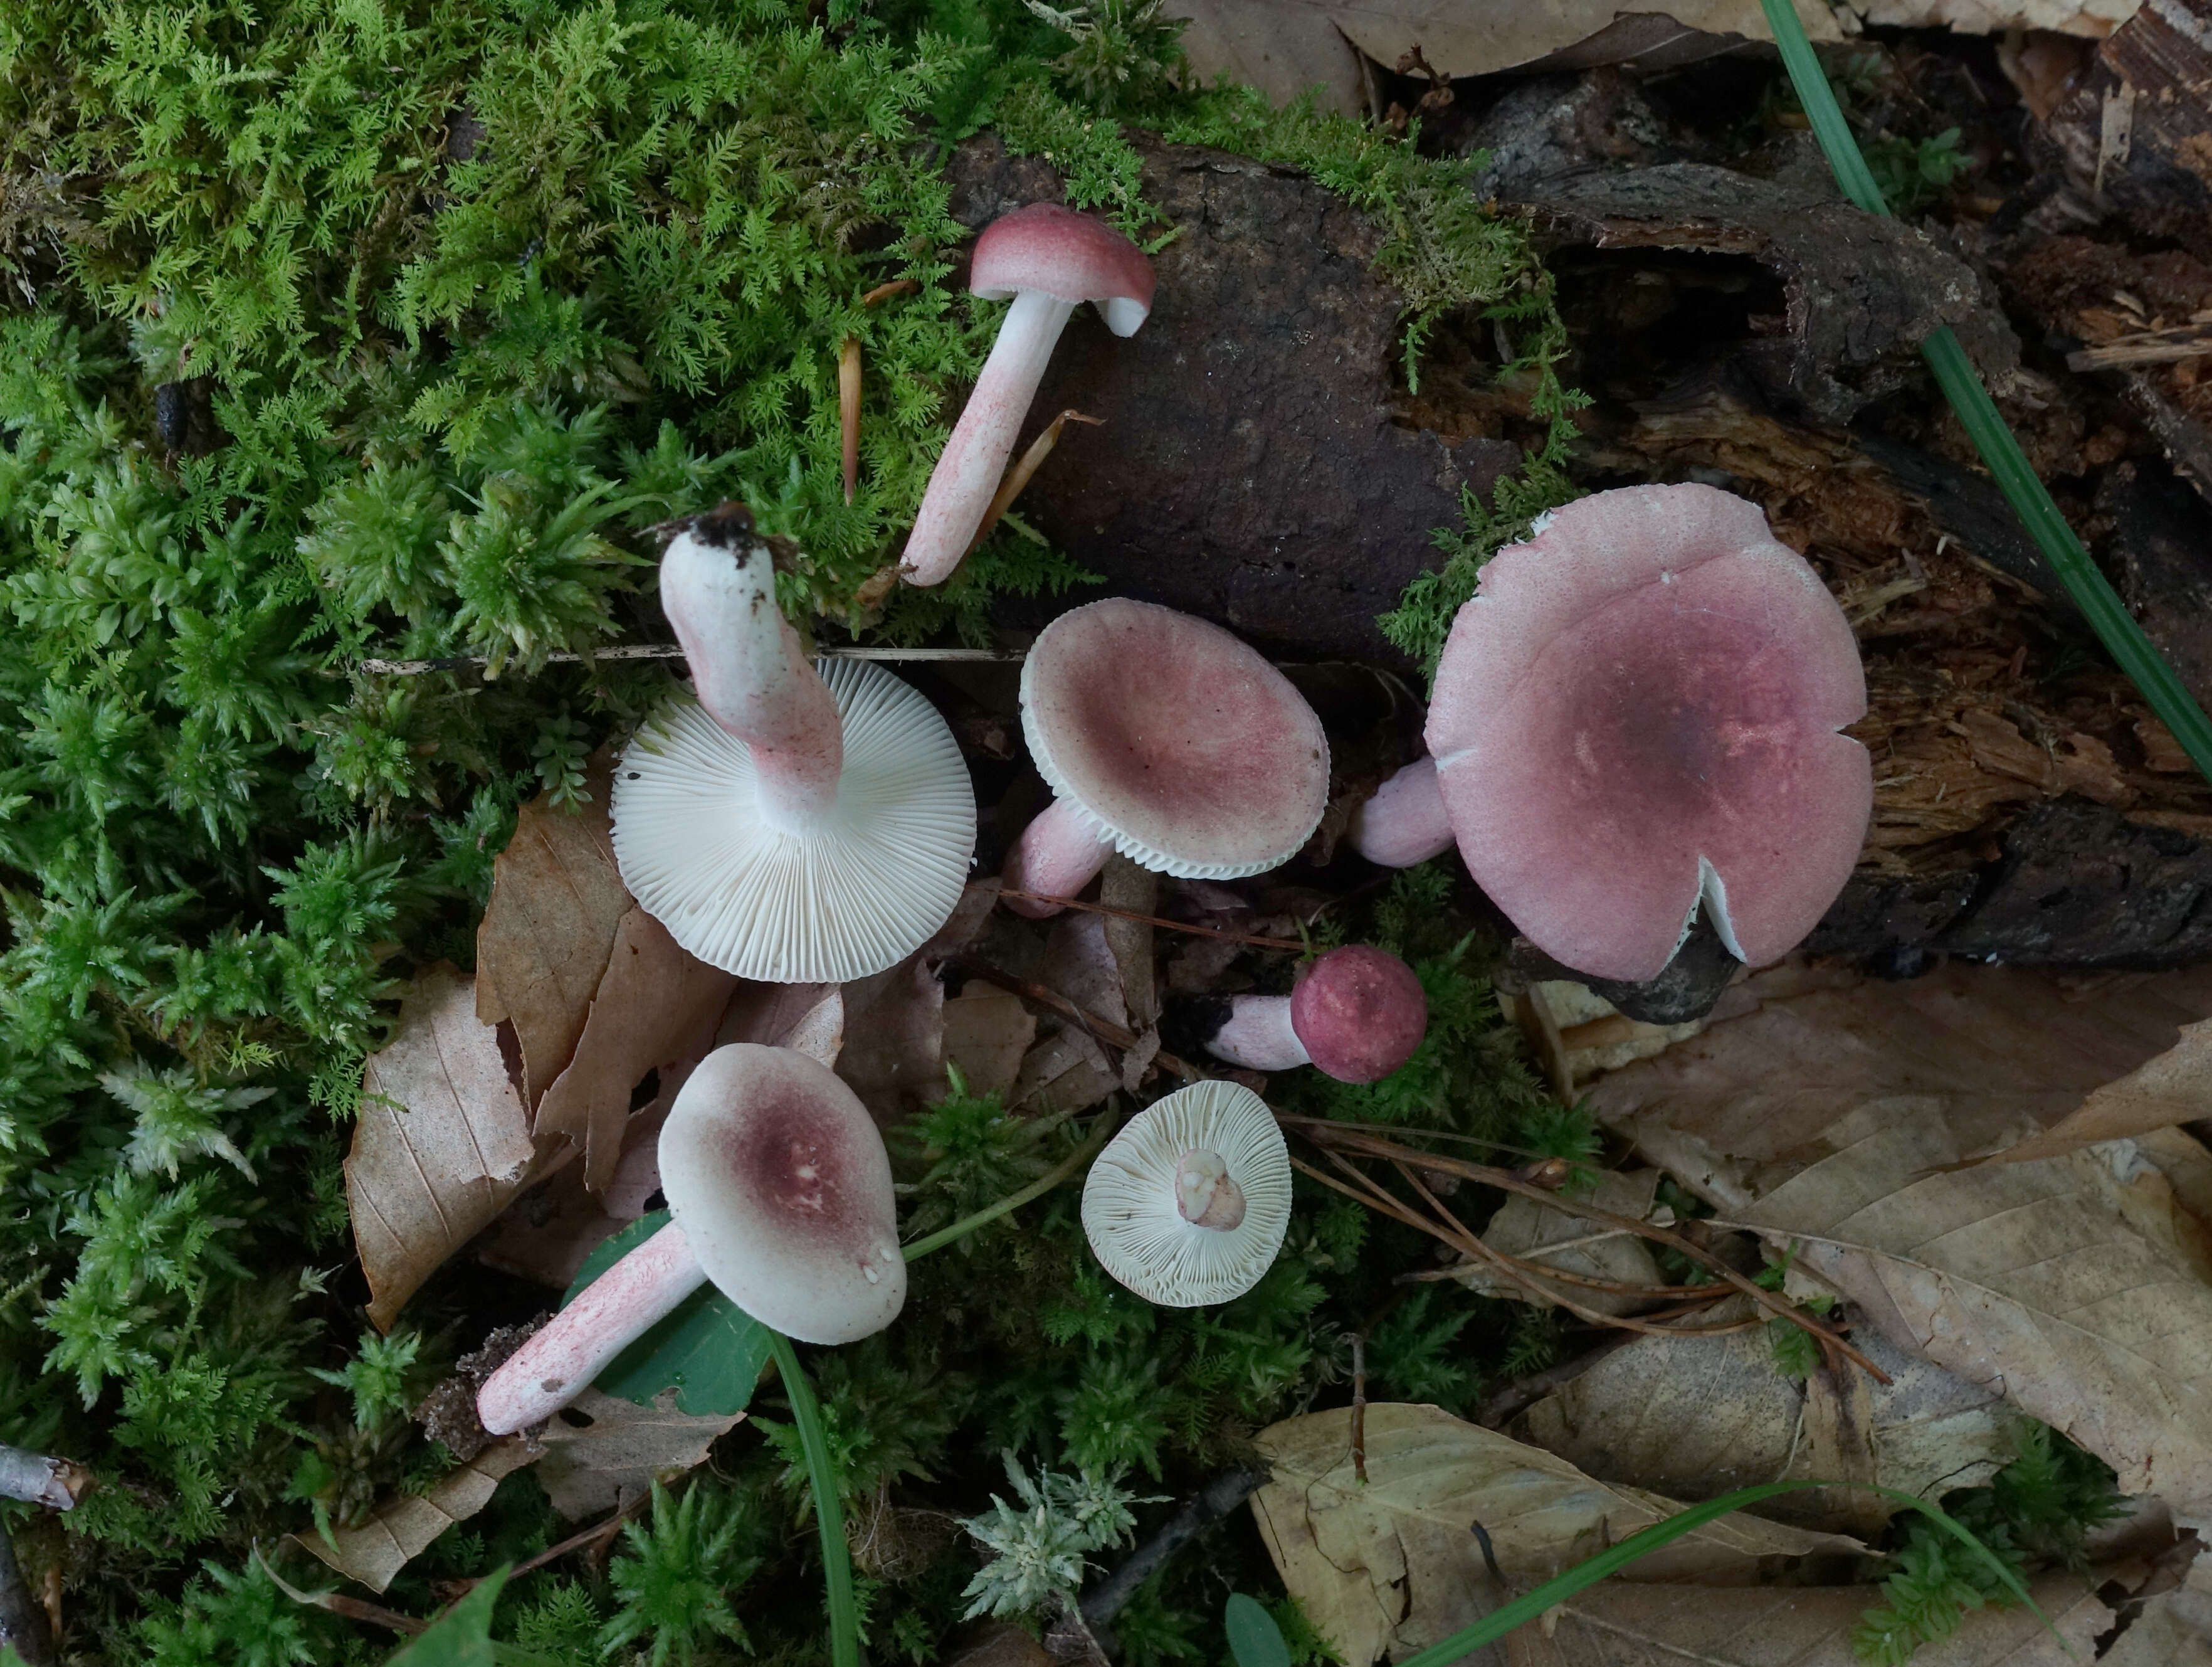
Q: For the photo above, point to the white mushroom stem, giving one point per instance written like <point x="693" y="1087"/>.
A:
<point x="1258" y="1035"/>
<point x="975" y="459"/>
<point x="1406" y="822"/>
<point x="576" y="1345"/>
<point x="1058" y="855"/>
<point x="1204" y="1195"/>
<point x="718" y="589"/>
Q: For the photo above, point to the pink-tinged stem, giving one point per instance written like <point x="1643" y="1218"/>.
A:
<point x="718" y="589"/>
<point x="975" y="459"/>
<point x="1405" y="822"/>
<point x="1057" y="855"/>
<point x="615" y="1310"/>
<point x="1258" y="1035"/>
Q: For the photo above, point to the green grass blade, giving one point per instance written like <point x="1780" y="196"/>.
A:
<point x="1521" y="1610"/>
<point x="1954" y="373"/>
<point x="828" y="1514"/>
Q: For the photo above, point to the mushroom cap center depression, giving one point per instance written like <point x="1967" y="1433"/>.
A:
<point x="1202" y="754"/>
<point x="1206" y="1196"/>
<point x="796" y="1162"/>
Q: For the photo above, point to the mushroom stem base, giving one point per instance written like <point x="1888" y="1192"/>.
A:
<point x="1406" y="822"/>
<point x="1057" y="855"/>
<point x="1257" y="1035"/>
<point x="560" y="1361"/>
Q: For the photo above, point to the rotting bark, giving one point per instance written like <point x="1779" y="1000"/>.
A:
<point x="1250" y="469"/>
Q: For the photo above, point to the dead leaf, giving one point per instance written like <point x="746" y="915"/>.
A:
<point x="546" y="1233"/>
<point x="808" y="1018"/>
<point x="999" y="1644"/>
<point x="1618" y="1623"/>
<point x="1560" y="1238"/>
<point x="1392" y="1564"/>
<point x="987" y="1032"/>
<point x="2093" y="21"/>
<point x="556" y="900"/>
<point x="1122" y="884"/>
<point x="2174" y="1628"/>
<point x="404" y="1526"/>
<point x="894" y="1053"/>
<point x="1696" y="1416"/>
<point x="442" y="1142"/>
<point x="2173" y="1087"/>
<point x="1079" y="963"/>
<point x="654" y="1004"/>
<point x="1066" y="1072"/>
<point x="590" y="1469"/>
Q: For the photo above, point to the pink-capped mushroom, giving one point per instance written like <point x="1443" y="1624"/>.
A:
<point x="1168" y="740"/>
<point x="779" y="1190"/>
<point x="1638" y="711"/>
<point x="1406" y="821"/>
<point x="1356" y="1013"/>
<point x="792" y="826"/>
<point x="1050" y="260"/>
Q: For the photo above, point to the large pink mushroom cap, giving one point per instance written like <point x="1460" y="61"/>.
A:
<point x="1067" y="255"/>
<point x="1639" y="710"/>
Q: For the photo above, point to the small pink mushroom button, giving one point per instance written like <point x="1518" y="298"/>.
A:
<point x="1168" y="740"/>
<point x="1050" y="259"/>
<point x="780" y="1192"/>
<point x="1637" y="712"/>
<point x="1357" y="1014"/>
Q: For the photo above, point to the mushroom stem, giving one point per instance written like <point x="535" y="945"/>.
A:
<point x="1406" y="822"/>
<point x="576" y="1345"/>
<point x="718" y="589"/>
<point x="1257" y="1035"/>
<point x="1058" y="855"/>
<point x="975" y="459"/>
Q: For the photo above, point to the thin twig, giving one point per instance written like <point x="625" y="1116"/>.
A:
<point x="1359" y="1406"/>
<point x="885" y="291"/>
<point x="42" y="1479"/>
<point x="1215" y="1500"/>
<point x="597" y="1535"/>
<point x="1293" y="945"/>
<point x="1027" y="464"/>
<point x="409" y="668"/>
<point x="337" y="1603"/>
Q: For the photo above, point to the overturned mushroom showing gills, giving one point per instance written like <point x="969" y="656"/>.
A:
<point x="790" y="827"/>
<point x="780" y="1192"/>
<point x="1639" y="710"/>
<point x="1356" y="1014"/>
<point x="1188" y="1205"/>
<point x="1166" y="738"/>
<point x="1050" y="259"/>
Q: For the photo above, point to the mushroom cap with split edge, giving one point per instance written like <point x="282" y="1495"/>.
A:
<point x="1072" y="257"/>
<point x="1639" y="710"/>
<point x="1189" y="1203"/>
<point x="1185" y="748"/>
<point x="778" y="1177"/>
<point x="852" y="895"/>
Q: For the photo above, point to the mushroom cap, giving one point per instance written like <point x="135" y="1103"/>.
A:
<point x="857" y="891"/>
<point x="1129" y="1211"/>
<point x="1068" y="255"/>
<point x="1188" y="751"/>
<point x="1360" y="1012"/>
<point x="777" y="1175"/>
<point x="1638" y="709"/>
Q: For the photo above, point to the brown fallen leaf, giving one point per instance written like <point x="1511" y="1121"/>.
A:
<point x="556" y="900"/>
<point x="2174" y="1628"/>
<point x="404" y="1526"/>
<point x="1392" y="1563"/>
<point x="2071" y="1282"/>
<point x="1559" y="1239"/>
<point x="894" y="1052"/>
<point x="655" y="1003"/>
<point x="1621" y="1624"/>
<point x="441" y="1144"/>
<point x="1693" y="1417"/>
<point x="988" y="1032"/>
<point x="1066" y="1072"/>
<point x="597" y="1466"/>
<point x="809" y="1018"/>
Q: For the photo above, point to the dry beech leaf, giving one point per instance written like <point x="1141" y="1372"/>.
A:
<point x="591" y="1468"/>
<point x="1620" y="1624"/>
<point x="441" y="1144"/>
<point x="1560" y="1238"/>
<point x="987" y="1030"/>
<point x="1284" y="47"/>
<point x="403" y="1527"/>
<point x="655" y="1003"/>
<point x="894" y="1052"/>
<point x="556" y="900"/>
<point x="809" y="1019"/>
<point x="1694" y="1417"/>
<point x="2093" y="21"/>
<point x="1066" y="1072"/>
<point x="1124" y="886"/>
<point x="1393" y="1564"/>
<point x="2174" y="1628"/>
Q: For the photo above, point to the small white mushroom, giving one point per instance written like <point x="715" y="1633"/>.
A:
<point x="1188" y="1205"/>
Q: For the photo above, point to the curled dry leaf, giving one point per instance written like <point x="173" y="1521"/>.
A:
<point x="557" y="901"/>
<point x="1618" y="1623"/>
<point x="1392" y="1563"/>
<point x="602" y="1451"/>
<point x="2174" y="1628"/>
<point x="404" y="1526"/>
<point x="1694" y="1417"/>
<point x="894" y="1053"/>
<point x="988" y="1032"/>
<point x="442" y="1142"/>
<point x="1560" y="1238"/>
<point x="2074" y="1283"/>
